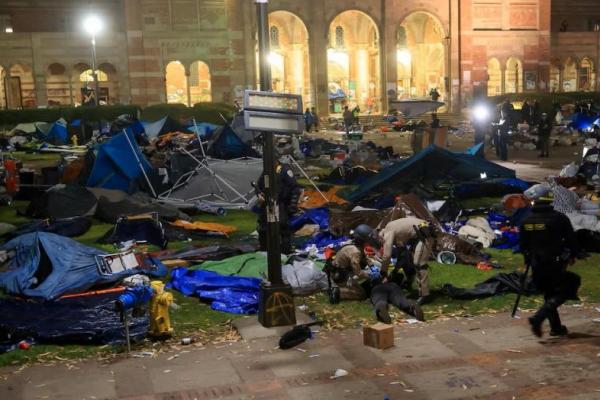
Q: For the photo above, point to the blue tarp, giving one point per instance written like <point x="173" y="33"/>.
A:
<point x="582" y="121"/>
<point x="337" y="95"/>
<point x="317" y="216"/>
<point x="81" y="320"/>
<point x="238" y="295"/>
<point x="204" y="129"/>
<point x="324" y="239"/>
<point x="432" y="165"/>
<point x="116" y="166"/>
<point x="48" y="266"/>
<point x="56" y="134"/>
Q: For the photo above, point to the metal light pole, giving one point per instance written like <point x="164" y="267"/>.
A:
<point x="276" y="297"/>
<point x="95" y="73"/>
<point x="93" y="25"/>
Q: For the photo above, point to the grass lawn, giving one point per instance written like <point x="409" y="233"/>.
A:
<point x="195" y="319"/>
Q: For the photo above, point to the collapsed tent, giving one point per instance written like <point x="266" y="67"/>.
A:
<point x="498" y="284"/>
<point x="227" y="183"/>
<point x="227" y="145"/>
<point x="118" y="165"/>
<point x="163" y="126"/>
<point x="432" y="166"/>
<point x="47" y="266"/>
<point x="62" y="201"/>
<point x="70" y="227"/>
<point x="414" y="108"/>
<point x="87" y="319"/>
<point x="56" y="133"/>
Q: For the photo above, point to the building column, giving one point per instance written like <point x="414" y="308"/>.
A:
<point x="318" y="54"/>
<point x="361" y="72"/>
<point x="188" y="88"/>
<point x="296" y="63"/>
<point x="454" y="55"/>
<point x="561" y="78"/>
<point x="8" y="94"/>
<point x="503" y="79"/>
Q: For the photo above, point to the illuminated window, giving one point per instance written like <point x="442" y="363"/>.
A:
<point x="339" y="36"/>
<point x="274" y="36"/>
<point x="86" y="76"/>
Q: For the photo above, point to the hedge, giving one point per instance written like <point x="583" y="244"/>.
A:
<point x="11" y="118"/>
<point x="546" y="100"/>
<point x="203" y="112"/>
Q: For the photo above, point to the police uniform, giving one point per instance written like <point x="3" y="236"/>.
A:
<point x="288" y="198"/>
<point x="347" y="271"/>
<point x="548" y="244"/>
<point x="414" y="253"/>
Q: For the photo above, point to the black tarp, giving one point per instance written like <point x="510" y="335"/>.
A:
<point x="498" y="284"/>
<point x="80" y="320"/>
<point x="140" y="230"/>
<point x="70" y="227"/>
<point x="111" y="211"/>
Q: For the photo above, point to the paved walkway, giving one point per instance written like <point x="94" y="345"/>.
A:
<point x="487" y="357"/>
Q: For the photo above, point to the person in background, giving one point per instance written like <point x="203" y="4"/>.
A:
<point x="348" y="119"/>
<point x="544" y="129"/>
<point x="308" y="120"/>
<point x="435" y="121"/>
<point x="501" y="137"/>
<point x="356" y="114"/>
<point x="526" y="113"/>
<point x="536" y="112"/>
<point x="315" y="116"/>
<point x="435" y="95"/>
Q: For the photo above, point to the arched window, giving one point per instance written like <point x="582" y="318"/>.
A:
<point x="200" y="85"/>
<point x="274" y="34"/>
<point x="86" y="76"/>
<point x="339" y="36"/>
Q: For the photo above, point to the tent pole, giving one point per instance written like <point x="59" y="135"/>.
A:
<point x="139" y="162"/>
<point x="307" y="177"/>
<point x="198" y="136"/>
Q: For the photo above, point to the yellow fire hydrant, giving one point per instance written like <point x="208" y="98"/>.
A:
<point x="160" y="322"/>
<point x="74" y="140"/>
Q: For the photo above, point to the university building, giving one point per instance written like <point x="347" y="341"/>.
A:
<point x="365" y="52"/>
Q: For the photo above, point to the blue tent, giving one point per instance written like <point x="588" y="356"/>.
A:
<point x="116" y="166"/>
<point x="432" y="165"/>
<point x="227" y="145"/>
<point x="204" y="129"/>
<point x="48" y="266"/>
<point x="56" y="133"/>
<point x="162" y="127"/>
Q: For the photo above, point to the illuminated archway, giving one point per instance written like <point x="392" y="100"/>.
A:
<point x="353" y="61"/>
<point x="587" y="75"/>
<point x="176" y="83"/>
<point x="513" y="76"/>
<point x="109" y="87"/>
<point x="289" y="58"/>
<point x="494" y="72"/>
<point x="22" y="87"/>
<point x="200" y="85"/>
<point x="421" y="56"/>
<point x="570" y="76"/>
<point x="554" y="81"/>
<point x="57" y="85"/>
<point x="2" y="84"/>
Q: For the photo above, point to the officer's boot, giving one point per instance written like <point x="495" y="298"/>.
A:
<point x="415" y="311"/>
<point x="556" y="327"/>
<point x="541" y="315"/>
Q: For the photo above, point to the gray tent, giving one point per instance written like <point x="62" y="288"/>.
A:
<point x="223" y="183"/>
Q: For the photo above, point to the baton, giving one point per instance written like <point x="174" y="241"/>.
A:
<point x="521" y="291"/>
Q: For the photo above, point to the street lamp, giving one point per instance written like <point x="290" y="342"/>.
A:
<point x="92" y="24"/>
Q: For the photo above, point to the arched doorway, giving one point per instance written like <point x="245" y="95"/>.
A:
<point x="58" y="90"/>
<point x="200" y="85"/>
<point x="2" y="86"/>
<point x="22" y="87"/>
<point x="514" y="76"/>
<point x="86" y="79"/>
<point x="554" y="81"/>
<point x="176" y="83"/>
<point x="570" y="76"/>
<point x="353" y="62"/>
<point x="421" y="56"/>
<point x="494" y="72"/>
<point x="587" y="76"/>
<point x="289" y="57"/>
<point x="109" y="87"/>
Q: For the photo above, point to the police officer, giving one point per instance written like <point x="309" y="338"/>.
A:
<point x="544" y="129"/>
<point x="414" y="239"/>
<point x="349" y="266"/>
<point x="548" y="245"/>
<point x="288" y="198"/>
<point x="501" y="137"/>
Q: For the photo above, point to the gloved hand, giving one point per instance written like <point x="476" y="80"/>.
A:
<point x="374" y="272"/>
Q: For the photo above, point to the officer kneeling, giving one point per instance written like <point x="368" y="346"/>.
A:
<point x="549" y="247"/>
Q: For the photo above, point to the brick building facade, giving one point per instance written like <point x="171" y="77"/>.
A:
<point x="371" y="50"/>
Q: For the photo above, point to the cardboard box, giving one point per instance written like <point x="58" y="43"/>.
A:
<point x="379" y="336"/>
